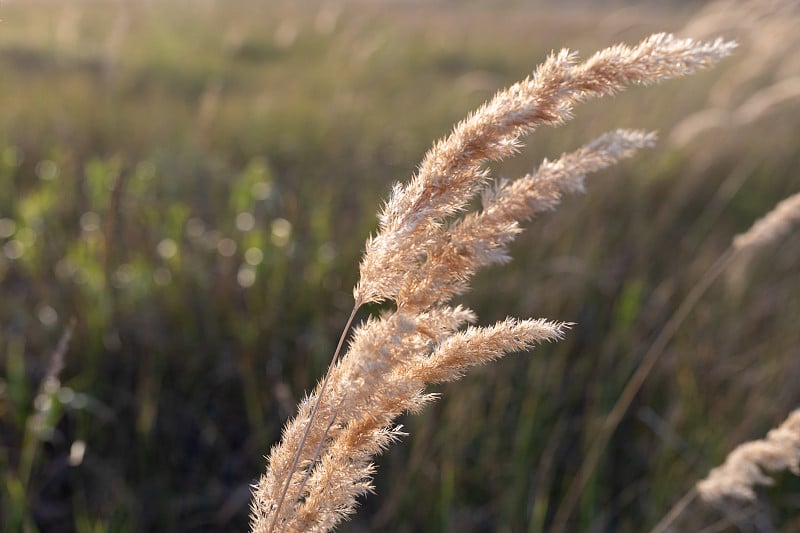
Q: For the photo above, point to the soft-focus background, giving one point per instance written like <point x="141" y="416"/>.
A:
<point x="185" y="189"/>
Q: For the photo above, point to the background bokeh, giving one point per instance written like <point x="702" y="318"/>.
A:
<point x="185" y="189"/>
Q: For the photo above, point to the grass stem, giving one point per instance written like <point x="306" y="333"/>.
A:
<point x="299" y="451"/>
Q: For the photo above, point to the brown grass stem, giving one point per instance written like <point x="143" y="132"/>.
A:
<point x="317" y="451"/>
<point x="675" y="512"/>
<point x="298" y="453"/>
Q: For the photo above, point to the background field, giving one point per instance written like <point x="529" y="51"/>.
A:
<point x="187" y="186"/>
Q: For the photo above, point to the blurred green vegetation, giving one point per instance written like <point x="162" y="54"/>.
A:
<point x="189" y="184"/>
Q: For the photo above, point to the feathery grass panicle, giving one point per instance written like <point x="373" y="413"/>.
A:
<point x="375" y="399"/>
<point x="479" y="239"/>
<point x="731" y="487"/>
<point x="480" y="345"/>
<point x="771" y="226"/>
<point x="424" y="255"/>
<point x="745" y="467"/>
<point x="451" y="173"/>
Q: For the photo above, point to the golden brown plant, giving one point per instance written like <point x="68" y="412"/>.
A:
<point x="744" y="467"/>
<point x="427" y="248"/>
<point x="741" y="471"/>
<point x="771" y="226"/>
<point x="731" y="486"/>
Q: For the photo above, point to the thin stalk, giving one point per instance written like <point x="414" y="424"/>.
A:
<point x="633" y="386"/>
<point x="313" y="414"/>
<point x="735" y="515"/>
<point x="317" y="451"/>
<point x="675" y="512"/>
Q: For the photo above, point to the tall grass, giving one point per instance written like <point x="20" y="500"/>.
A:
<point x="425" y="252"/>
<point x="732" y="485"/>
<point x="190" y="187"/>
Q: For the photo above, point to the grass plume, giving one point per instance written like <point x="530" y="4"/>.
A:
<point x="744" y="467"/>
<point x="774" y="225"/>
<point x="731" y="486"/>
<point x="426" y="250"/>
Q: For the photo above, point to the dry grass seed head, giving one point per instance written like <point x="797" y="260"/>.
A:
<point x="392" y="358"/>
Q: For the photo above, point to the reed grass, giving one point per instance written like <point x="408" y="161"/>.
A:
<point x="731" y="487"/>
<point x="428" y="246"/>
<point x="742" y="470"/>
<point x="744" y="467"/>
<point x="186" y="361"/>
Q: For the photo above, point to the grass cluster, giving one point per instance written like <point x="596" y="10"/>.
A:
<point x="183" y="200"/>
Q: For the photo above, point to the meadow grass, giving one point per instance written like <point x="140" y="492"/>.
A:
<point x="135" y="141"/>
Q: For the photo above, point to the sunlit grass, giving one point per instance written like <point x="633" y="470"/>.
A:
<point x="193" y="188"/>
